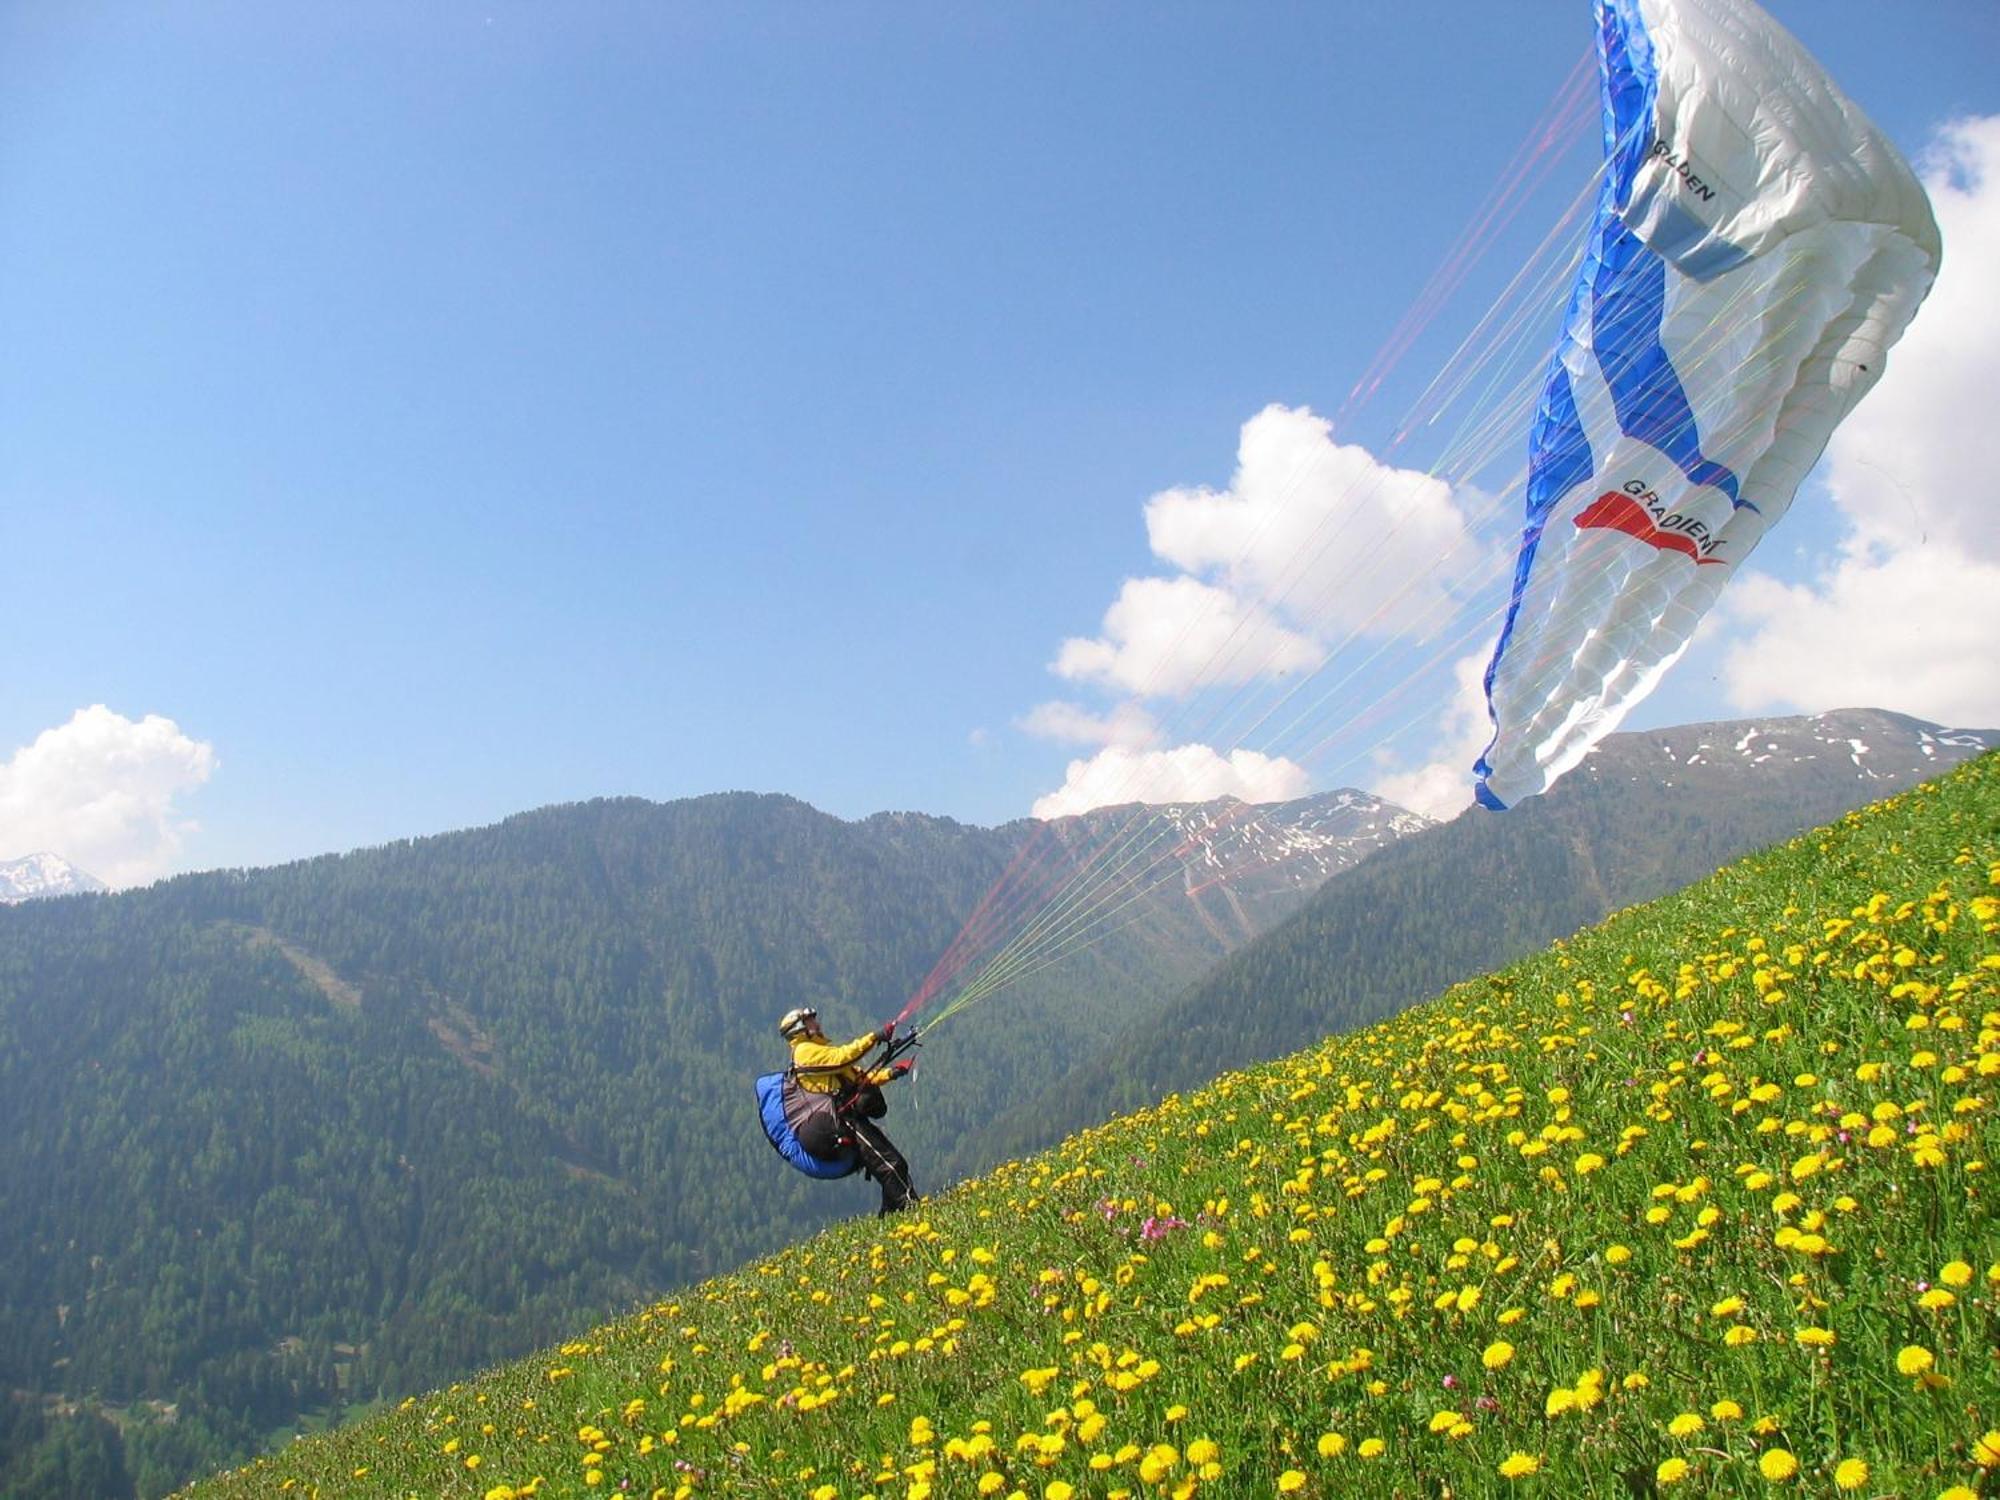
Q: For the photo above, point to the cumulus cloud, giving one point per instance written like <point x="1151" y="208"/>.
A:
<point x="1906" y="614"/>
<point x="1127" y="724"/>
<point x="1328" y="530"/>
<point x="1442" y="787"/>
<point x="1165" y="636"/>
<point x="1311" y="541"/>
<point x="1186" y="773"/>
<point x="101" y="791"/>
<point x="1914" y="631"/>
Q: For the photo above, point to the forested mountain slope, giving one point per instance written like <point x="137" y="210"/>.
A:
<point x="285" y="1139"/>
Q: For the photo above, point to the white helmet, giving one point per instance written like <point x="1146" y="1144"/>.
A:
<point x="792" y="1022"/>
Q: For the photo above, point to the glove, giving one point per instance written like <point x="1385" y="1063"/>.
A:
<point x="888" y="1031"/>
<point x="901" y="1067"/>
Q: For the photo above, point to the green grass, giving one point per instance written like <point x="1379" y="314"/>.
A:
<point x="1700" y="1201"/>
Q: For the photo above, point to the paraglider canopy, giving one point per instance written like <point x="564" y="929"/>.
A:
<point x="1757" y="247"/>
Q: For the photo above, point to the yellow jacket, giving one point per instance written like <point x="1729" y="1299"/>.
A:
<point x="827" y="1068"/>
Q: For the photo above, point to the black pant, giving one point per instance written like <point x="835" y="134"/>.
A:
<point x="884" y="1164"/>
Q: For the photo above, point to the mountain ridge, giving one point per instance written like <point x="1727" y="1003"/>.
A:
<point x="1649" y="811"/>
<point x="44" y="876"/>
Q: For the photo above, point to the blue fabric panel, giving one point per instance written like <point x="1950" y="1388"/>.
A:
<point x="1631" y="89"/>
<point x="1678" y="235"/>
<point x="771" y="1111"/>
<point x="1628" y="306"/>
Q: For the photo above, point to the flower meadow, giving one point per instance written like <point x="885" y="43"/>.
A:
<point x="1698" y="1202"/>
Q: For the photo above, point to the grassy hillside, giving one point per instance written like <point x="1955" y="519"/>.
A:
<point x="1646" y="814"/>
<point x="1701" y="1201"/>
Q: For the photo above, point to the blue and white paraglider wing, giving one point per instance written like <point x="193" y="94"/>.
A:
<point x="1758" y="246"/>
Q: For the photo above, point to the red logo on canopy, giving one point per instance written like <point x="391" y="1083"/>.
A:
<point x="1612" y="511"/>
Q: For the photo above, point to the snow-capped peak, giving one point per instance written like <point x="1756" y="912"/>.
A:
<point x="36" y="875"/>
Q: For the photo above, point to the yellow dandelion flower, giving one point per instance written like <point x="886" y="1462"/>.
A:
<point x="1498" y="1354"/>
<point x="1687" y="1424"/>
<point x="1672" y="1471"/>
<point x="1986" y="1449"/>
<point x="1739" y="1336"/>
<point x="1058" y="1489"/>
<point x="1203" y="1451"/>
<point x="1372" y="1448"/>
<point x="1726" y="1411"/>
<point x="1159" y="1461"/>
<point x="1331" y="1444"/>
<point x="1956" y="1273"/>
<point x="1291" y="1482"/>
<point x="1815" y="1338"/>
<point x="1519" y="1465"/>
<point x="1914" y="1359"/>
<point x="1777" y="1465"/>
<point x="1851" y="1473"/>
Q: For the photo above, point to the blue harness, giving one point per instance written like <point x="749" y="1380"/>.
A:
<point x="786" y="1110"/>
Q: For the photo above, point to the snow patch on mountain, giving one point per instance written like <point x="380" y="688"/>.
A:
<point x="1296" y="845"/>
<point x="36" y="876"/>
<point x="1856" y="744"/>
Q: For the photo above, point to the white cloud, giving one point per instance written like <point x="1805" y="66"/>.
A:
<point x="1915" y="463"/>
<point x="1186" y="773"/>
<point x="1325" y="530"/>
<point x="1312" y="540"/>
<point x="1914" y="631"/>
<point x="101" y="791"/>
<point x="1442" y="788"/>
<point x="1906" y="616"/>
<point x="1127" y="724"/>
<point x="1165" y="636"/>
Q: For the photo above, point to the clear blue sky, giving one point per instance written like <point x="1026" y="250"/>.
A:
<point x="447" y="409"/>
